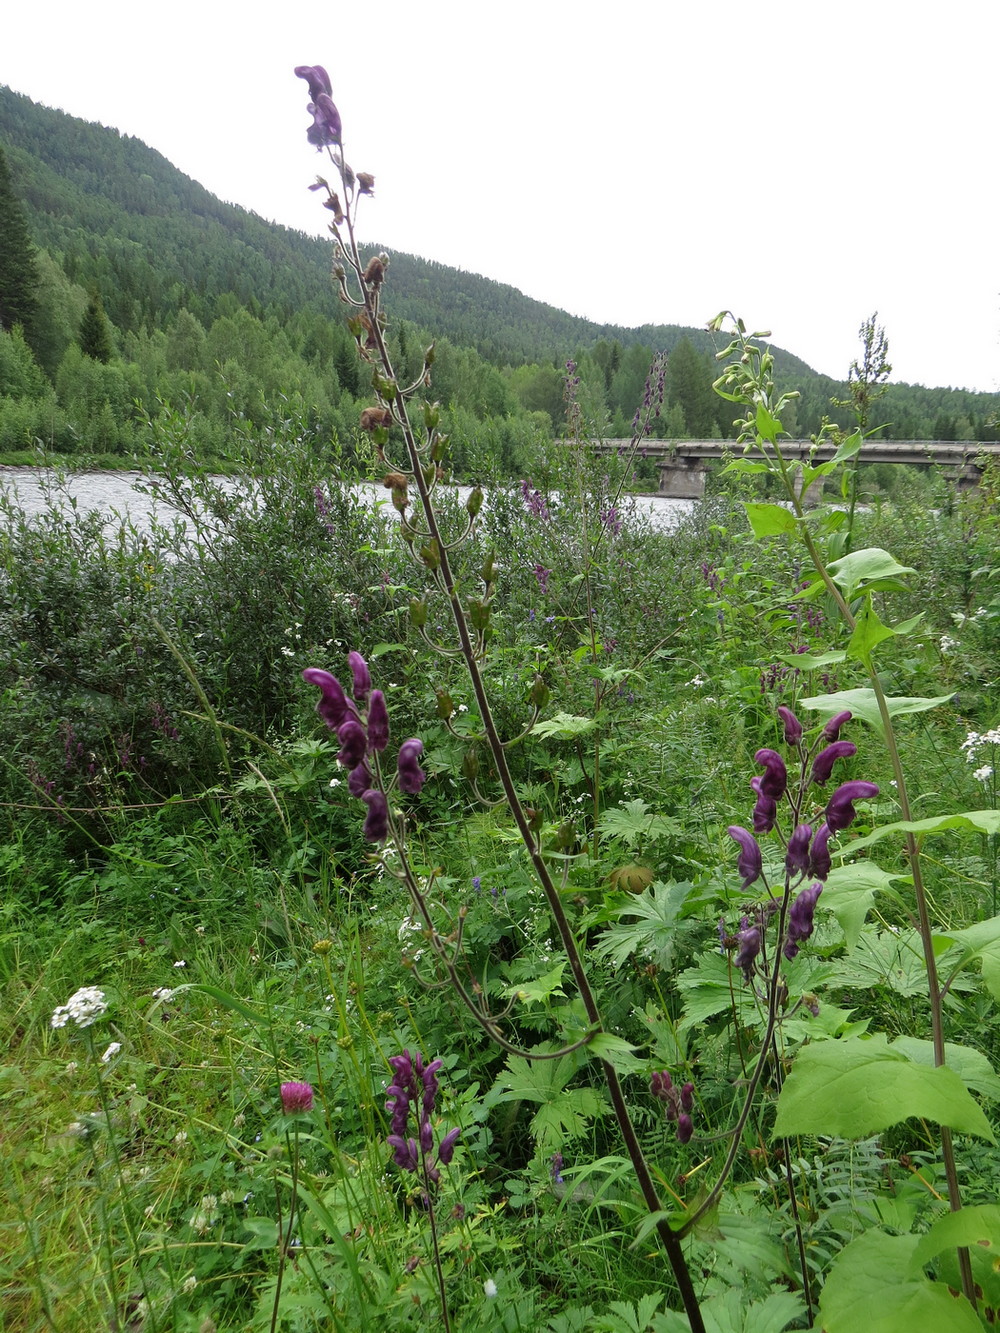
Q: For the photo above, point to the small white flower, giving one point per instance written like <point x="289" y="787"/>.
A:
<point x="72" y="1067"/>
<point x="181" y="1138"/>
<point x="84" y="1007"/>
<point x="983" y="774"/>
<point x="490" y="1289"/>
<point x="948" y="643"/>
<point x="149" y="1211"/>
<point x="180" y="963"/>
<point x="335" y="782"/>
<point x="463" y="708"/>
<point x="199" y="930"/>
<point x="189" y="1284"/>
<point x="111" y="1052"/>
<point x="163" y="993"/>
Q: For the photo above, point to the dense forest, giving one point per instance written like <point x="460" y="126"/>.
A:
<point x="124" y="286"/>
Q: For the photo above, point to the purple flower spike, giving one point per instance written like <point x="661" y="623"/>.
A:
<point x="362" y="677"/>
<point x="411" y="776"/>
<point x="800" y="920"/>
<point x="775" y="778"/>
<point x="749" y="941"/>
<point x="446" y="1148"/>
<point x="685" y="1129"/>
<point x="749" y="863"/>
<point x="378" y="721"/>
<point x="332" y="706"/>
<point x="819" y="853"/>
<point x="765" y="812"/>
<point x="376" y="827"/>
<point x="793" y="727"/>
<point x="317" y="78"/>
<point x="360" y="779"/>
<point x="840" y="813"/>
<point x="353" y="743"/>
<point x="825" y="760"/>
<point x="687" y="1097"/>
<point x="797" y="852"/>
<point x="832" y="729"/>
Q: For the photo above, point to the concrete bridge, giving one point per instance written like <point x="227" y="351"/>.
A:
<point x="684" y="464"/>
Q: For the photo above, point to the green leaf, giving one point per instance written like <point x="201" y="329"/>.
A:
<point x="849" y="892"/>
<point x="812" y="661"/>
<point x="538" y="990"/>
<point x="713" y="987"/>
<point x="768" y="426"/>
<point x="227" y="1001"/>
<point x="653" y="933"/>
<point x="877" y="1285"/>
<point x="982" y="942"/>
<point x="857" y="1087"/>
<point x="864" y="704"/>
<point x="892" y="958"/>
<point x="976" y="821"/>
<point x="564" y="726"/>
<point x="618" y="1053"/>
<point x="769" y="520"/>
<point x="870" y="568"/>
<point x="868" y="633"/>
<point x="971" y="1065"/>
<point x="977" y="1229"/>
<point x="633" y="820"/>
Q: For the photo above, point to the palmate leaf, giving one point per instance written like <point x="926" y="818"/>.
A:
<point x="849" y="892"/>
<point x="633" y="820"/>
<point x="653" y="932"/>
<point x="858" y="1086"/>
<point x="563" y="1112"/>
<point x="713" y="987"/>
<point x="891" y="958"/>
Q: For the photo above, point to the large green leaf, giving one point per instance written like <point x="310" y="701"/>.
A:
<point x="981" y="942"/>
<point x="858" y="1086"/>
<point x="971" y="1065"/>
<point x="978" y="1225"/>
<point x="975" y="821"/>
<point x="652" y="933"/>
<point x="871" y="568"/>
<point x="769" y="520"/>
<point x="849" y="892"/>
<point x="876" y="1285"/>
<point x="564" y="726"/>
<point x="864" y="704"/>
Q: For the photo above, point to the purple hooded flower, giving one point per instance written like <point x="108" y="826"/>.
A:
<point x="326" y="127"/>
<point x="446" y="1148"/>
<point x="840" y="812"/>
<point x="317" y="78"/>
<point x="415" y="1087"/>
<point x="411" y="776"/>
<point x="361" y="675"/>
<point x="793" y="727"/>
<point x="797" y="852"/>
<point x="800" y="920"/>
<point x="353" y="743"/>
<point x="749" y="940"/>
<point x="765" y="811"/>
<point x="333" y="705"/>
<point x="825" y="760"/>
<point x="376" y="827"/>
<point x="832" y="729"/>
<point x="750" y="863"/>
<point x="360" y="779"/>
<point x="378" y="722"/>
<point x="819" y="853"/>
<point x="685" y="1128"/>
<point x="775" y="778"/>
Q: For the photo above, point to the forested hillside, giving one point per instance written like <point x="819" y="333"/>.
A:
<point x="147" y="289"/>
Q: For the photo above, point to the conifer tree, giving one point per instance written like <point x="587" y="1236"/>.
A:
<point x="18" y="275"/>
<point x="95" y="333"/>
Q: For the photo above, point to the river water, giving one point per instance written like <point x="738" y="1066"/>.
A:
<point x="114" y="494"/>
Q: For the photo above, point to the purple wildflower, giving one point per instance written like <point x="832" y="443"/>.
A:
<point x="677" y="1102"/>
<point x="685" y="1128"/>
<point x="360" y="780"/>
<point x="819" y="853"/>
<point x="765" y="811"/>
<point x="555" y="1168"/>
<point x="775" y="778"/>
<point x="411" y="776"/>
<point x="332" y="706"/>
<point x="797" y="852"/>
<point x="378" y="722"/>
<point x="825" y="760"/>
<point x="415" y="1087"/>
<point x="832" y="729"/>
<point x="296" y="1098"/>
<point x="793" y="727"/>
<point x="326" y="127"/>
<point x="840" y="812"/>
<point x="749" y="940"/>
<point x="376" y="827"/>
<point x="749" y="864"/>
<point x="361" y="676"/>
<point x="353" y="743"/>
<point x="317" y="78"/>
<point x="800" y="920"/>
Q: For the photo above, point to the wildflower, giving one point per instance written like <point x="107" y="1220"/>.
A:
<point x="678" y="1102"/>
<point x="749" y="941"/>
<point x="948" y="643"/>
<point x="361" y="675"/>
<point x="411" y="776"/>
<point x="765" y="811"/>
<point x="111" y="1052"/>
<point x="378" y="722"/>
<point x="189" y="1284"/>
<point x="317" y="78"/>
<point x="819" y="853"/>
<point x="490" y="1289"/>
<point x="296" y="1098"/>
<point x="72" y="1067"/>
<point x="832" y="729"/>
<point x="555" y="1168"/>
<point x="775" y="778"/>
<point x="750" y="864"/>
<point x="376" y="827"/>
<point x="793" y="727"/>
<point x="983" y="774"/>
<point x="840" y="812"/>
<point x="180" y="1138"/>
<point x="84" y="1007"/>
<point x="180" y="963"/>
<point x="415" y="1085"/>
<point x="332" y="706"/>
<point x="163" y="993"/>
<point x="353" y="743"/>
<point x="825" y="760"/>
<point x="800" y="920"/>
<point x="360" y="779"/>
<point x="797" y="852"/>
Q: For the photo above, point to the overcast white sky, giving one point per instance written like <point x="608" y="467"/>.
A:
<point x="802" y="162"/>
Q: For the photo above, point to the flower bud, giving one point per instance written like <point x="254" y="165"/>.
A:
<point x="446" y="1148"/>
<point x="685" y="1129"/>
<point x="418" y="614"/>
<point x="470" y="765"/>
<point x="474" y="502"/>
<point x="362" y="677"/>
<point x="432" y="415"/>
<point x="445" y="707"/>
<point x="765" y="811"/>
<point x="832" y="728"/>
<point x="800" y="920"/>
<point x="819" y="853"/>
<point x="332" y="706"/>
<point x="538" y="696"/>
<point x="793" y="727"/>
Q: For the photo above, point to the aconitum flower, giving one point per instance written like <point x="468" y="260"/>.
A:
<point x="825" y="760"/>
<point x="362" y="677"/>
<point x="353" y="743"/>
<point x="793" y="727"/>
<point x="774" y="781"/>
<point x="800" y="920"/>
<point x="797" y="852"/>
<point x="749" y="940"/>
<point x="296" y="1098"/>
<point x="376" y="827"/>
<point x="819" y="853"/>
<point x="360" y="780"/>
<point x="378" y="722"/>
<point x="332" y="706"/>
<point x="411" y="776"/>
<point x="678" y="1102"/>
<point x="840" y="811"/>
<point x="765" y="811"/>
<point x="832" y="729"/>
<point x="317" y="78"/>
<point x="415" y="1087"/>
<point x="750" y="863"/>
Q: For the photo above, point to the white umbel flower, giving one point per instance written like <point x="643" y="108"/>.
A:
<point x="83" y="1007"/>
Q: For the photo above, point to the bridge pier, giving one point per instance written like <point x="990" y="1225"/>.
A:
<point x="682" y="479"/>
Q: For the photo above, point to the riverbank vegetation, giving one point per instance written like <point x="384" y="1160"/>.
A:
<point x="613" y="948"/>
